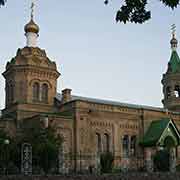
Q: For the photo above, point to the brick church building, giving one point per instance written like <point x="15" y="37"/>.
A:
<point x="89" y="126"/>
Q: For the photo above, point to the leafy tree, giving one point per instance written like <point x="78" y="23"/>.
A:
<point x="7" y="152"/>
<point x="2" y="2"/>
<point x="45" y="146"/>
<point x="3" y="150"/>
<point x="135" y="11"/>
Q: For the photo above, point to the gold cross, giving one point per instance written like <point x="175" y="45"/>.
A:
<point x="173" y="29"/>
<point x="32" y="9"/>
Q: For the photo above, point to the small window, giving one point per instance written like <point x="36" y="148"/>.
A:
<point x="106" y="142"/>
<point x="168" y="92"/>
<point x="7" y="93"/>
<point x="21" y="90"/>
<point x="98" y="142"/>
<point x="36" y="91"/>
<point x="125" y="145"/>
<point x="133" y="146"/>
<point x="11" y="93"/>
<point x="45" y="93"/>
<point x="176" y="152"/>
<point x="177" y="91"/>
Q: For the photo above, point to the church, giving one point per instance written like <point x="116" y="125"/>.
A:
<point x="133" y="133"/>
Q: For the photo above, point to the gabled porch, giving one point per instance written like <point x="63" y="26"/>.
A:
<point x="161" y="139"/>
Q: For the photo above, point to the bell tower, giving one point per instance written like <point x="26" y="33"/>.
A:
<point x="30" y="77"/>
<point x="171" y="79"/>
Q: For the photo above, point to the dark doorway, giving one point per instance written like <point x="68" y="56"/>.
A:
<point x="161" y="160"/>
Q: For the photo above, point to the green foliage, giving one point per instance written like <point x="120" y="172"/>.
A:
<point x="106" y="161"/>
<point x="178" y="168"/>
<point x="3" y="146"/>
<point x="161" y="161"/>
<point x="45" y="146"/>
<point x="116" y="170"/>
<point x="2" y="2"/>
<point x="7" y="153"/>
<point x="134" y="11"/>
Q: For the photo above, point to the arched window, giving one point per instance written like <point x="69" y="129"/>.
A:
<point x="11" y="93"/>
<point x="168" y="92"/>
<point x="7" y="93"/>
<point x="133" y="146"/>
<point x="35" y="91"/>
<point x="21" y="90"/>
<point x="125" y="145"/>
<point x="177" y="91"/>
<point x="106" y="142"/>
<point x="44" y="96"/>
<point x="98" y="142"/>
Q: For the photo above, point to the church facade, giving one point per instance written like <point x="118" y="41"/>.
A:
<point x="88" y="126"/>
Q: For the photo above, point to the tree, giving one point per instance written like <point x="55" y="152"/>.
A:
<point x="45" y="146"/>
<point x="134" y="11"/>
<point x="45" y="149"/>
<point x="3" y="137"/>
<point x="8" y="154"/>
<point x="2" y="2"/>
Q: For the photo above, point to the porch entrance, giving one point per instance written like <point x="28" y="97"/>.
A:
<point x="160" y="142"/>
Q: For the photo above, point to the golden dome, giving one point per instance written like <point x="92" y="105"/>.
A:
<point x="31" y="27"/>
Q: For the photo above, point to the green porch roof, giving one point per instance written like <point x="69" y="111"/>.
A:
<point x="154" y="132"/>
<point x="174" y="62"/>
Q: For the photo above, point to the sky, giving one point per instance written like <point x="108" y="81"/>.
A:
<point x="96" y="56"/>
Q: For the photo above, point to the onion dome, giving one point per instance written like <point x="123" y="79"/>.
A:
<point x="174" y="42"/>
<point x="31" y="27"/>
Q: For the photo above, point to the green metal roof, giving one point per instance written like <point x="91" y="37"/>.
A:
<point x="154" y="132"/>
<point x="174" y="62"/>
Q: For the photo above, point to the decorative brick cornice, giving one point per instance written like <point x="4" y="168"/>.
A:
<point x="33" y="70"/>
<point x="36" y="51"/>
<point x="101" y="123"/>
<point x="31" y="56"/>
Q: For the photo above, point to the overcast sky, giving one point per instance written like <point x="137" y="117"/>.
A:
<point x="96" y="57"/>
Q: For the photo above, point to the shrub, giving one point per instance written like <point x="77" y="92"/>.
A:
<point x="106" y="161"/>
<point x="161" y="161"/>
<point x="117" y="170"/>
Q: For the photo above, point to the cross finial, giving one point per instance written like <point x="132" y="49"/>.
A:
<point x="173" y="29"/>
<point x="32" y="9"/>
<point x="174" y="41"/>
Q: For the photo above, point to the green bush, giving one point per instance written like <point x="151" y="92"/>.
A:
<point x="45" y="146"/>
<point x="106" y="161"/>
<point x="116" y="170"/>
<point x="178" y="168"/>
<point x="161" y="161"/>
